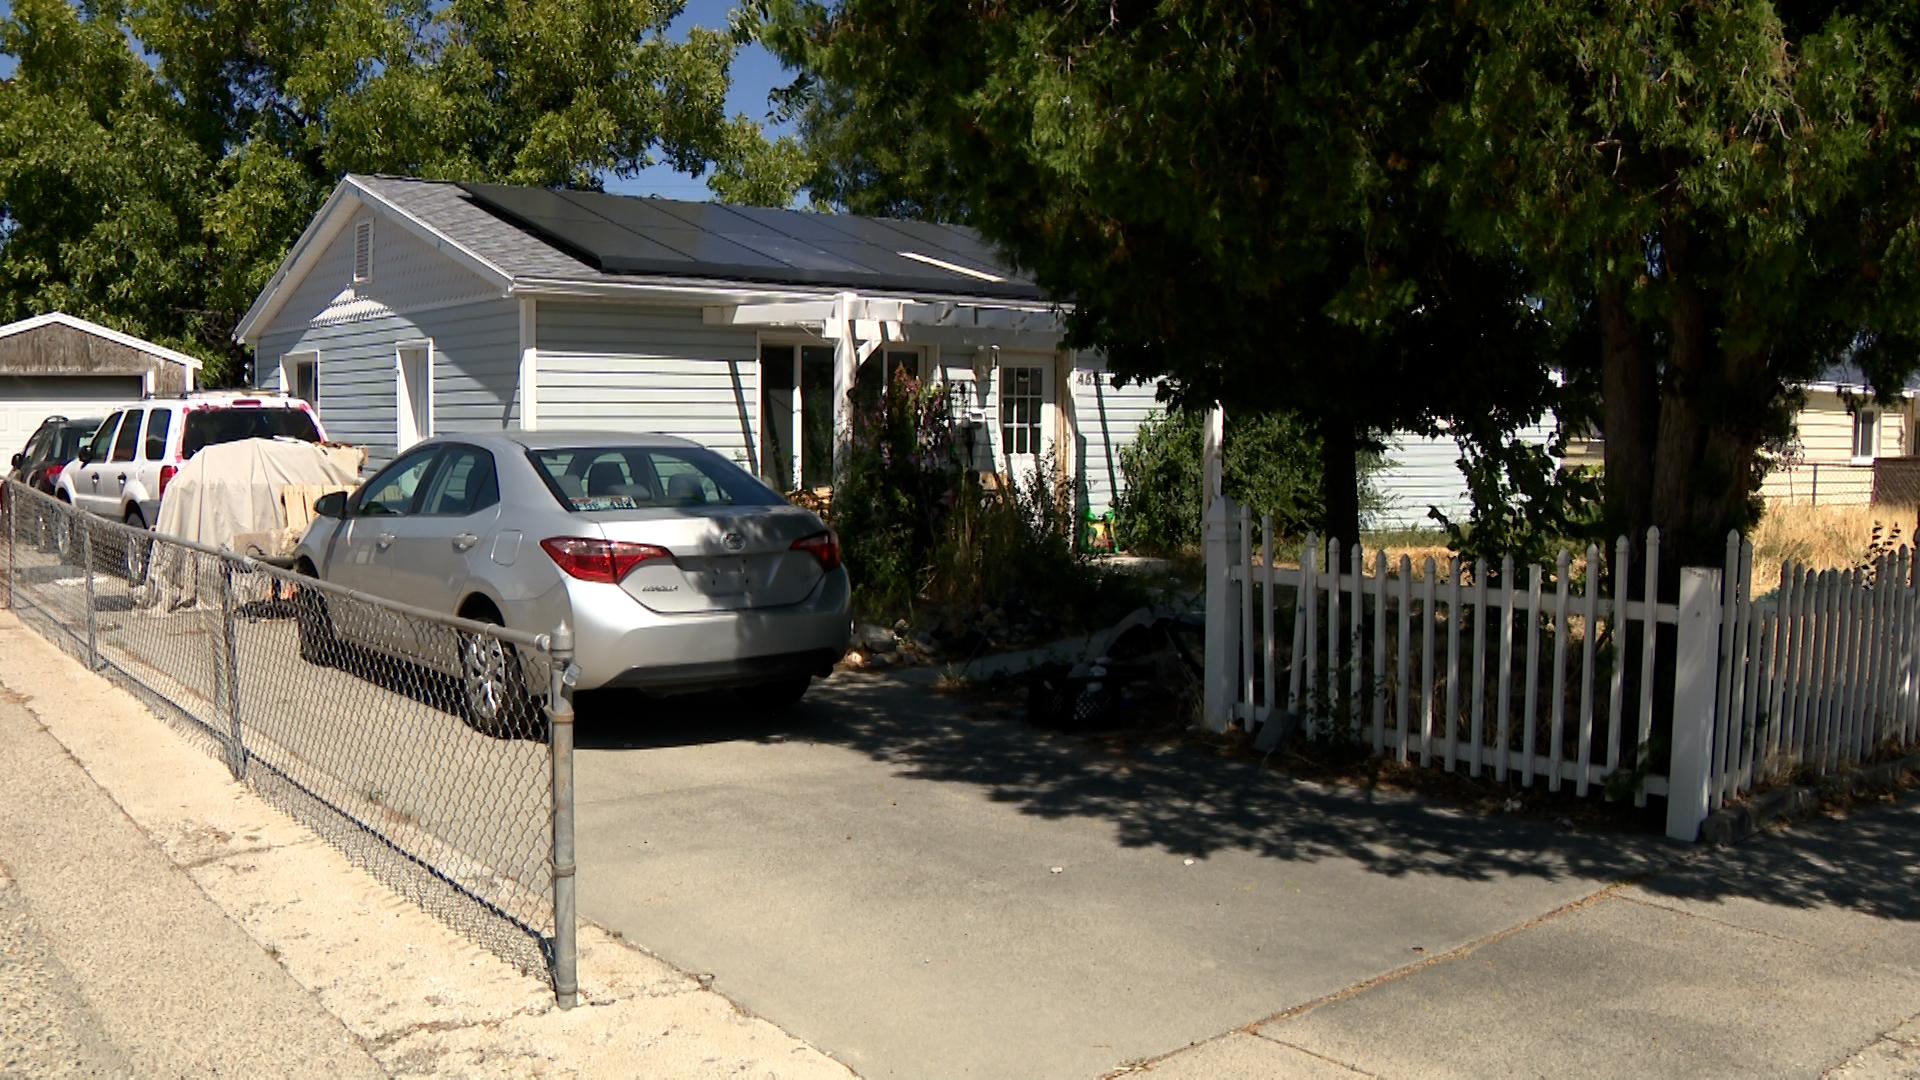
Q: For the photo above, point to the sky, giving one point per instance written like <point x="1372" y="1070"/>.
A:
<point x="755" y="74"/>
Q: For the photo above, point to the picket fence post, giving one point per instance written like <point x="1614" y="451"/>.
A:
<point x="1696" y="673"/>
<point x="1220" y="686"/>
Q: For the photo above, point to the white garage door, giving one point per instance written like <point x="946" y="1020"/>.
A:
<point x="25" y="400"/>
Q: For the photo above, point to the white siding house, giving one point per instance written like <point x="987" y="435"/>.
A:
<point x="411" y="307"/>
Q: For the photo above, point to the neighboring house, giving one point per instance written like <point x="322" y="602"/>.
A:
<point x="1421" y="474"/>
<point x="1848" y="449"/>
<point x="56" y="364"/>
<point x="412" y="307"/>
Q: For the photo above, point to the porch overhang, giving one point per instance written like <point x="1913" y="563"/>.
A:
<point x="873" y="321"/>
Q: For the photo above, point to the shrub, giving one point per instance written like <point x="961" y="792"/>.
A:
<point x="917" y="526"/>
<point x="899" y="484"/>
<point x="1272" y="464"/>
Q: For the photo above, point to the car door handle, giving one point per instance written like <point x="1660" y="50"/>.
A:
<point x="383" y="541"/>
<point x="123" y="479"/>
<point x="463" y="541"/>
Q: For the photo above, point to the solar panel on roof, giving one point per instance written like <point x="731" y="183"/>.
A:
<point x="640" y="236"/>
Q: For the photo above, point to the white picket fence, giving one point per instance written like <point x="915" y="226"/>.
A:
<point x="1550" y="679"/>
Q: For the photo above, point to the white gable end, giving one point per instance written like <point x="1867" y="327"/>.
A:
<point x="401" y="274"/>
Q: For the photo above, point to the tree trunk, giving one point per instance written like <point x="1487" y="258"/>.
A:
<point x="1629" y="403"/>
<point x="1340" y="481"/>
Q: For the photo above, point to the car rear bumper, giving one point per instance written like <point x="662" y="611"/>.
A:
<point x="715" y="674"/>
<point x="619" y="642"/>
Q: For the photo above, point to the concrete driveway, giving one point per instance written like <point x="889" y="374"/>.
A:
<point x="928" y="893"/>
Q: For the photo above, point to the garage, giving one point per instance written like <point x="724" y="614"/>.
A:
<point x="25" y="400"/>
<point x="57" y="364"/>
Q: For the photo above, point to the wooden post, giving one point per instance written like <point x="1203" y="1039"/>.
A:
<point x="1223" y="622"/>
<point x="1695" y="679"/>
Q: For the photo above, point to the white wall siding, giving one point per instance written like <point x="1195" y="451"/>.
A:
<point x="408" y="275"/>
<point x="476" y="371"/>
<point x="637" y="368"/>
<point x="1109" y="420"/>
<point x="1421" y="474"/>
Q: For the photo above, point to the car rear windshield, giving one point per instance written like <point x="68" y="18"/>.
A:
<point x="208" y="427"/>
<point x="68" y="439"/>
<point x="587" y="479"/>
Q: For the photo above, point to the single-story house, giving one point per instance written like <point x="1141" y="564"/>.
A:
<point x="56" y="364"/>
<point x="415" y="307"/>
<point x="1848" y="449"/>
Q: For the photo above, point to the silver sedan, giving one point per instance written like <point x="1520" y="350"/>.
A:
<point x="676" y="569"/>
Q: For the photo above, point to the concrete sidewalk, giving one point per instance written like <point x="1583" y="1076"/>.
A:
<point x="159" y="919"/>
<point x="1795" y="955"/>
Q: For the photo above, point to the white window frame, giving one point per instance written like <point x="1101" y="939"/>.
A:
<point x="407" y="427"/>
<point x="1866" y="434"/>
<point x="362" y="240"/>
<point x="290" y="364"/>
<point x="1049" y="394"/>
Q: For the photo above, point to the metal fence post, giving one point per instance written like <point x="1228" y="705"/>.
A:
<point x="86" y="557"/>
<point x="236" y="747"/>
<point x="566" y="982"/>
<point x="1694" y="685"/>
<point x="13" y="537"/>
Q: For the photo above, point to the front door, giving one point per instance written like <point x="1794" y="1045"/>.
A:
<point x="1026" y="416"/>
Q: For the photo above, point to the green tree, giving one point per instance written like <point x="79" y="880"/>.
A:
<point x="158" y="157"/>
<point x="1721" y="197"/>
<point x="1242" y="198"/>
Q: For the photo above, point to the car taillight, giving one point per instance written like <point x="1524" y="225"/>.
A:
<point x="823" y="546"/>
<point x="604" y="561"/>
<point x="166" y="477"/>
<point x="51" y="475"/>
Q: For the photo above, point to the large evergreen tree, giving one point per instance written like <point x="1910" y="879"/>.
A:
<point x="1724" y="195"/>
<point x="1240" y="197"/>
<point x="158" y="157"/>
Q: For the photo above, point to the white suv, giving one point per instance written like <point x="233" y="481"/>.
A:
<point x="124" y="469"/>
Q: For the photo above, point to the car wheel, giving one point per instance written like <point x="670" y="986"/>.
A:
<point x="66" y="533"/>
<point x="318" y="645"/>
<point x="493" y="688"/>
<point x="776" y="696"/>
<point x="136" y="555"/>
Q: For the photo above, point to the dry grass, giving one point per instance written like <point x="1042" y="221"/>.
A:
<point x="1821" y="537"/>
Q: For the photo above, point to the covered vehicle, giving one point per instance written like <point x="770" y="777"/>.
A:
<point x="676" y="569"/>
<point x="233" y="495"/>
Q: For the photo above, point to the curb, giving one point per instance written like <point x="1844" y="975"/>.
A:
<point x="1732" y="824"/>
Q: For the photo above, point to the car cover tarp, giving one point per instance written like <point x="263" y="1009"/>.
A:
<point x="233" y="489"/>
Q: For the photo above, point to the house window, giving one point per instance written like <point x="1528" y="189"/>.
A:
<point x="1866" y="434"/>
<point x="300" y="377"/>
<point x="796" y="415"/>
<point x="362" y="251"/>
<point x="1022" y="397"/>
<point x="413" y="392"/>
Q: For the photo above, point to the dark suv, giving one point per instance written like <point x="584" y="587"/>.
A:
<point x="54" y="443"/>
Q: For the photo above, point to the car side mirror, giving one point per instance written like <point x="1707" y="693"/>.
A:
<point x="17" y="459"/>
<point x="331" y="505"/>
<point x="85" y="453"/>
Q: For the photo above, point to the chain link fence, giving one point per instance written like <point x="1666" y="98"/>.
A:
<point x="1821" y="484"/>
<point x="421" y="746"/>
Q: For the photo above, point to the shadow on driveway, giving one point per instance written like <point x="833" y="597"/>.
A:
<point x="1171" y="798"/>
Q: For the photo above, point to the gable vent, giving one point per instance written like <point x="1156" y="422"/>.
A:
<point x="362" y="251"/>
